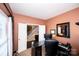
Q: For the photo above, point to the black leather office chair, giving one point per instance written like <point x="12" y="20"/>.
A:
<point x="50" y="45"/>
<point x="36" y="38"/>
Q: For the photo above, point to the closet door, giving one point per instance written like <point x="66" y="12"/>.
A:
<point x="41" y="33"/>
<point x="3" y="34"/>
<point x="22" y="37"/>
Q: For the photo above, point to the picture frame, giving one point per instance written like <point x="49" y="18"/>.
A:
<point x="63" y="30"/>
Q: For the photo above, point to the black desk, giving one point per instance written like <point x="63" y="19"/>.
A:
<point x="50" y="48"/>
<point x="37" y="48"/>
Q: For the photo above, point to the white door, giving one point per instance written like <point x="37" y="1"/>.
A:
<point x="22" y="37"/>
<point x="41" y="33"/>
<point x="3" y="34"/>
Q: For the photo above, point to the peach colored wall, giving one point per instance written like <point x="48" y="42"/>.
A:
<point x="23" y="19"/>
<point x="3" y="8"/>
<point x="72" y="17"/>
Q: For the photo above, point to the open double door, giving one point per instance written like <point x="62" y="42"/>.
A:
<point x="22" y="36"/>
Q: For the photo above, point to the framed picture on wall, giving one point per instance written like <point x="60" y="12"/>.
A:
<point x="63" y="30"/>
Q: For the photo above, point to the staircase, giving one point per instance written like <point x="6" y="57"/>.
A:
<point x="34" y="32"/>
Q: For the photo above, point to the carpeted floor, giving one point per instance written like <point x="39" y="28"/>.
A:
<point x="29" y="51"/>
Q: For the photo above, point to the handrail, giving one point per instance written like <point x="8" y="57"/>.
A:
<point x="30" y="36"/>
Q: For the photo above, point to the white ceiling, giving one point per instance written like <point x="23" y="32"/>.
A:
<point x="42" y="10"/>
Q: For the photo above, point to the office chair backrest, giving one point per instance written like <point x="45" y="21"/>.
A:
<point x="48" y="36"/>
<point x="36" y="38"/>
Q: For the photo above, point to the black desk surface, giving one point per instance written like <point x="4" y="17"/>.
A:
<point x="36" y="44"/>
<point x="37" y="48"/>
